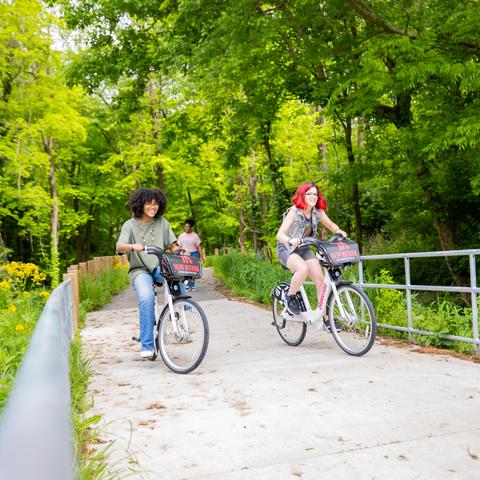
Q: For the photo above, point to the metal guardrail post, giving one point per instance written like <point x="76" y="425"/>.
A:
<point x="360" y="271"/>
<point x="408" y="285"/>
<point x="36" y="440"/>
<point x="473" y="284"/>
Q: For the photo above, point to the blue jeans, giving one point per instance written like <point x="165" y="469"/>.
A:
<point x="191" y="282"/>
<point x="143" y="285"/>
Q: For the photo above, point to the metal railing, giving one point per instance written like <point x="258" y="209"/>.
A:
<point x="408" y="287"/>
<point x="36" y="439"/>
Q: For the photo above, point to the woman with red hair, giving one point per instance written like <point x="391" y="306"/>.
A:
<point x="299" y="221"/>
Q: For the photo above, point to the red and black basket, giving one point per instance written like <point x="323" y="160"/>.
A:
<point x="180" y="267"/>
<point x="341" y="253"/>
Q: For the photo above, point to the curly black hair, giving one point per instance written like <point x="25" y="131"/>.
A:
<point x="190" y="221"/>
<point x="141" y="196"/>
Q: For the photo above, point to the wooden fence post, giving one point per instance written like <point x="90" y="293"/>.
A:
<point x="82" y="269"/>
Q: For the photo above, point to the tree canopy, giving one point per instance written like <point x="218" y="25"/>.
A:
<point x="228" y="106"/>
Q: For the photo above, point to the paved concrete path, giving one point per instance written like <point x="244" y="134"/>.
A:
<point x="257" y="409"/>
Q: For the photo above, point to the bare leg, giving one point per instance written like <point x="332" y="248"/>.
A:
<point x="300" y="269"/>
<point x="316" y="274"/>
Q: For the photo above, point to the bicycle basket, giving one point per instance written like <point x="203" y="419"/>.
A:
<point x="180" y="266"/>
<point x="341" y="253"/>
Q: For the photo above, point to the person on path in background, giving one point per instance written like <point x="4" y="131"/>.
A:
<point x="190" y="242"/>
<point x="146" y="227"/>
<point x="299" y="221"/>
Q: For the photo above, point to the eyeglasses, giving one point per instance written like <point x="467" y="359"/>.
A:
<point x="311" y="195"/>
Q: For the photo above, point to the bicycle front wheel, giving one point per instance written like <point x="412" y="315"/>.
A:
<point x="292" y="332"/>
<point x="355" y="328"/>
<point x="183" y="341"/>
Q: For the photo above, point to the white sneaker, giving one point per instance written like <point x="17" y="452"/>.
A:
<point x="147" y="354"/>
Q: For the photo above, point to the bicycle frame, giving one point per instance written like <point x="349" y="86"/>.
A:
<point x="310" y="315"/>
<point x="168" y="298"/>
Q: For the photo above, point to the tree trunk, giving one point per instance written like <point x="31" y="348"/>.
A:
<point x="445" y="232"/>
<point x="54" y="256"/>
<point x="254" y="194"/>
<point x="242" y="238"/>
<point x="3" y="249"/>
<point x="190" y="203"/>
<point x="355" y="189"/>
<point x="321" y="147"/>
<point x="160" y="179"/>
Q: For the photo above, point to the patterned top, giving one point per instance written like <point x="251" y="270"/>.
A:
<point x="158" y="233"/>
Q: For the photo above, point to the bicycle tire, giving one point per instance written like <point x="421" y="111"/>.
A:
<point x="355" y="334"/>
<point x="291" y="332"/>
<point x="183" y="353"/>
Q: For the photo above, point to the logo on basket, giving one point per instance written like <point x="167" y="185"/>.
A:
<point x="187" y="260"/>
<point x="342" y="245"/>
<point x="181" y="267"/>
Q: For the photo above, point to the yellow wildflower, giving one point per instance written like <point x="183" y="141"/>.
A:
<point x="44" y="294"/>
<point x="19" y="328"/>
<point x="12" y="308"/>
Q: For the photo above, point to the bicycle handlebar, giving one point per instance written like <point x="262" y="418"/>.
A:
<point x="317" y="243"/>
<point x="159" y="252"/>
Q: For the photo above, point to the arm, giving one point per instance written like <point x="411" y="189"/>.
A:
<point x="124" y="244"/>
<point x="129" y="247"/>
<point x="282" y="234"/>
<point x="330" y="225"/>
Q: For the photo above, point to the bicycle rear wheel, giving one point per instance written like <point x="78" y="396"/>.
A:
<point x="355" y="332"/>
<point x="292" y="332"/>
<point x="182" y="349"/>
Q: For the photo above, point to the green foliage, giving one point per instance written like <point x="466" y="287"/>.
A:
<point x="228" y="109"/>
<point x="441" y="316"/>
<point x="248" y="276"/>
<point x="96" y="291"/>
<point x="19" y="312"/>
<point x="21" y="303"/>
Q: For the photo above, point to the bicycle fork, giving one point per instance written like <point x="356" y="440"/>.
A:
<point x="184" y="333"/>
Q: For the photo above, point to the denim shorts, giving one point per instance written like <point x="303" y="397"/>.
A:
<point x="283" y="252"/>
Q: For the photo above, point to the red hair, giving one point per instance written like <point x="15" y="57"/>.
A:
<point x="299" y="198"/>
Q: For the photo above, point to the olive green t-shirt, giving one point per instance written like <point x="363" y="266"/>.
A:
<point x="157" y="233"/>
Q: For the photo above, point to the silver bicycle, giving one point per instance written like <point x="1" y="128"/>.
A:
<point x="343" y="306"/>
<point x="181" y="328"/>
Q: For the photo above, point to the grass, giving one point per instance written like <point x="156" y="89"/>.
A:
<point x="19" y="312"/>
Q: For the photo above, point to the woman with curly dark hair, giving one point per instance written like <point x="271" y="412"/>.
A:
<point x="146" y="227"/>
<point x="301" y="220"/>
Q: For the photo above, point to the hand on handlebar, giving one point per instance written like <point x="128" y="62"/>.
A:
<point x="294" y="242"/>
<point x="137" y="247"/>
<point x="342" y="233"/>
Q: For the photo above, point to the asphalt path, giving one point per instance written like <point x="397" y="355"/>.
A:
<point x="259" y="409"/>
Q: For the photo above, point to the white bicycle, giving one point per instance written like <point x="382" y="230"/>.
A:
<point x="181" y="329"/>
<point x="345" y="307"/>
